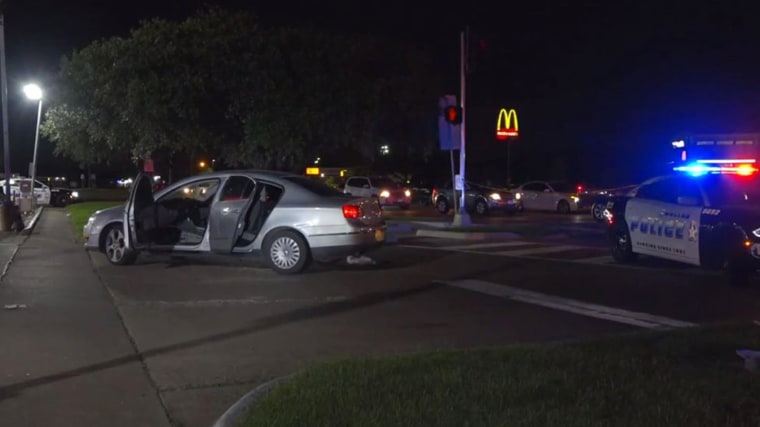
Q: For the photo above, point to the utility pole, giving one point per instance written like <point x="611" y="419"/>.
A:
<point x="4" y="94"/>
<point x="462" y="217"/>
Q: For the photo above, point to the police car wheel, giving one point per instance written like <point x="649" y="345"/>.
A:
<point x="622" y="250"/>
<point x="563" y="207"/>
<point x="481" y="207"/>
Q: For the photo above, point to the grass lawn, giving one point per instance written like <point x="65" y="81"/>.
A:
<point x="80" y="212"/>
<point x="103" y="194"/>
<point x="683" y="378"/>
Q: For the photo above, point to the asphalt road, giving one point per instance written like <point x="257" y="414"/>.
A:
<point x="207" y="332"/>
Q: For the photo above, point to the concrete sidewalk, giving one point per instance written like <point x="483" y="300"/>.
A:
<point x="66" y="358"/>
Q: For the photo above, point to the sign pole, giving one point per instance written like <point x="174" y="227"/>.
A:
<point x="461" y="217"/>
<point x="509" y="162"/>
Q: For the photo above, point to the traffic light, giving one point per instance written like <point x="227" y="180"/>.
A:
<point x="453" y="114"/>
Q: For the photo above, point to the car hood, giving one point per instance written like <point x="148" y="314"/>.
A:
<point x="113" y="212"/>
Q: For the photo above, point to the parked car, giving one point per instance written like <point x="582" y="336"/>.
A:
<point x="554" y="196"/>
<point x="289" y="219"/>
<point x="596" y="200"/>
<point x="479" y="198"/>
<point x="46" y="195"/>
<point x="387" y="191"/>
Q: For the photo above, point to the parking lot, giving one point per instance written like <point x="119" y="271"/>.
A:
<point x="192" y="336"/>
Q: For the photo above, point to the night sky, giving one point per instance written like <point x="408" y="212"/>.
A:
<point x="601" y="88"/>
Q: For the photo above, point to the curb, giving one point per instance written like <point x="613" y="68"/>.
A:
<point x="29" y="228"/>
<point x="233" y="415"/>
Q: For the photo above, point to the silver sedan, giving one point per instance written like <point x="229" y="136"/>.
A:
<point x="288" y="218"/>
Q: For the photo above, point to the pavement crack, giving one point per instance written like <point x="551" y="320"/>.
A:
<point x="231" y="383"/>
<point x="137" y="354"/>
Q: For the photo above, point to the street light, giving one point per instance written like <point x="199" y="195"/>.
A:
<point x="34" y="93"/>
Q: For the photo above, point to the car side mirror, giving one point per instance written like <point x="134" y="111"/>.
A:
<point x="687" y="201"/>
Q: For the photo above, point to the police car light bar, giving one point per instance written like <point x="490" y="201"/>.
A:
<point x="726" y="161"/>
<point x="701" y="169"/>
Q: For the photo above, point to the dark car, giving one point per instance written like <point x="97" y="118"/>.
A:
<point x="60" y="197"/>
<point x="480" y="199"/>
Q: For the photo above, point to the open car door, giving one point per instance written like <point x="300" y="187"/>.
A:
<point x="228" y="214"/>
<point x="139" y="216"/>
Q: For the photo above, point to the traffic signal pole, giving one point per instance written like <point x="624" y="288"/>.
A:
<point x="462" y="217"/>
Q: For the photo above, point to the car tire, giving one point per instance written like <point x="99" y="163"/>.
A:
<point x="442" y="205"/>
<point x="481" y="207"/>
<point x="286" y="252"/>
<point x="597" y="211"/>
<point x="113" y="246"/>
<point x="620" y="242"/>
<point x="563" y="207"/>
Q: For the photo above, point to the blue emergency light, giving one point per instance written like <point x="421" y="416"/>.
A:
<point x="743" y="167"/>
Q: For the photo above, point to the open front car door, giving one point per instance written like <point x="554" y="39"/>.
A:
<point x="139" y="216"/>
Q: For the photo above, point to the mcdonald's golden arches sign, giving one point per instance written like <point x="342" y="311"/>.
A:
<point x="506" y="125"/>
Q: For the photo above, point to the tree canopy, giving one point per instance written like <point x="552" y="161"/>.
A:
<point x="220" y="84"/>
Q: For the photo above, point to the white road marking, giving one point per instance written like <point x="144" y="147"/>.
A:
<point x="606" y="259"/>
<point x="487" y="245"/>
<point x="239" y="301"/>
<point x="634" y="318"/>
<point x="535" y="251"/>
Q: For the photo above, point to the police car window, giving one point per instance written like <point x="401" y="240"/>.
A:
<point x="687" y="187"/>
<point x="663" y="190"/>
<point x="728" y="190"/>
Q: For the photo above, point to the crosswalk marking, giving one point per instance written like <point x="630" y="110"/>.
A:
<point x="606" y="259"/>
<point x="643" y="320"/>
<point x="524" y="249"/>
<point x="487" y="245"/>
<point x="538" y="251"/>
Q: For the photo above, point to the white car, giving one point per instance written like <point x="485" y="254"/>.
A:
<point x="387" y="191"/>
<point x="548" y="196"/>
<point x="41" y="191"/>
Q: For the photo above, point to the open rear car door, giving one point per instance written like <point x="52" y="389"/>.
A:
<point x="139" y="216"/>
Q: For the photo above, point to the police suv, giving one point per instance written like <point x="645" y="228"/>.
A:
<point x="705" y="214"/>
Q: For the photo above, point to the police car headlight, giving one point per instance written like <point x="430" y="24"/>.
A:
<point x="385" y="194"/>
<point x="756" y="232"/>
<point x="74" y="194"/>
<point x="575" y="199"/>
<point x="407" y="193"/>
<point x="495" y="196"/>
<point x="518" y="196"/>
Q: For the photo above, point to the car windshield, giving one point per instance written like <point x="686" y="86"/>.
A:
<point x="727" y="190"/>
<point x="316" y="186"/>
<point x="384" y="183"/>
<point x="562" y="187"/>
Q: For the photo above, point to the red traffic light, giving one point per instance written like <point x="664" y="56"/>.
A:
<point x="453" y="114"/>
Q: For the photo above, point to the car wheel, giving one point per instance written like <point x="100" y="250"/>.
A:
<point x="114" y="248"/>
<point x="442" y="205"/>
<point x="563" y="207"/>
<point x="287" y="252"/>
<point x="622" y="250"/>
<point x="481" y="207"/>
<point x="597" y="211"/>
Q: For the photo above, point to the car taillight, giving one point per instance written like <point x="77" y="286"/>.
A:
<point x="352" y="211"/>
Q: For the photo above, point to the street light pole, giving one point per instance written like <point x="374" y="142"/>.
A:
<point x="34" y="93"/>
<point x="36" y="143"/>
<point x="462" y="217"/>
<point x="4" y="95"/>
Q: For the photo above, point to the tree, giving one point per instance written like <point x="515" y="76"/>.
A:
<point x="220" y="85"/>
